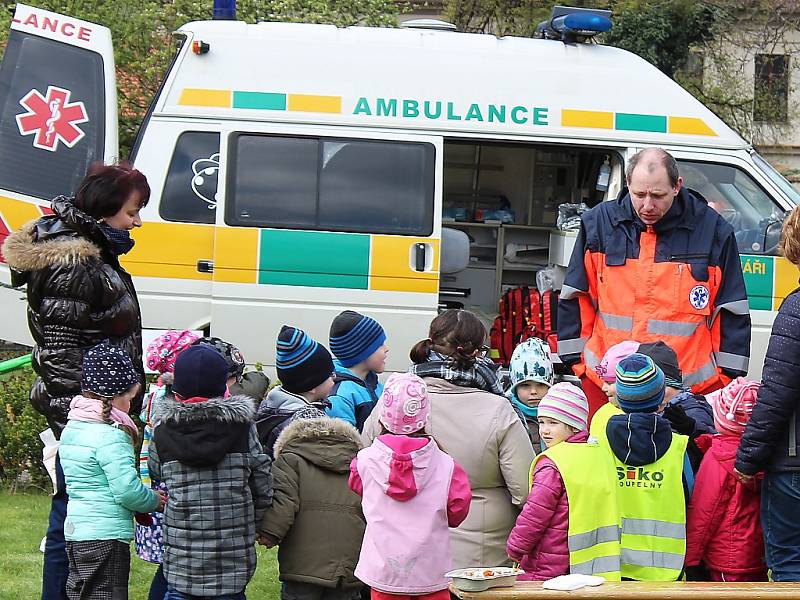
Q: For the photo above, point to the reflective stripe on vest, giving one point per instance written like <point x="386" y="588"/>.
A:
<point x="593" y="536"/>
<point x="653" y="515"/>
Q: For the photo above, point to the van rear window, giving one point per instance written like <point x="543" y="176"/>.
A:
<point x="190" y="190"/>
<point x="52" y="115"/>
<point x="331" y="184"/>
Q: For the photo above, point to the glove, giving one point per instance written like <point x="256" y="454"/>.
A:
<point x="679" y="420"/>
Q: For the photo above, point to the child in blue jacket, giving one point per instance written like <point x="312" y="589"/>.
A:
<point x="359" y="344"/>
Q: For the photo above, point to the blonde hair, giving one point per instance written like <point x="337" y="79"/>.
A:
<point x="790" y="237"/>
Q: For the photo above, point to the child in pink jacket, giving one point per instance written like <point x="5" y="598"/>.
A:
<point x="412" y="492"/>
<point x="538" y="541"/>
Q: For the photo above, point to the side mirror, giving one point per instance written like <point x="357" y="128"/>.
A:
<point x="772" y="236"/>
<point x="455" y="251"/>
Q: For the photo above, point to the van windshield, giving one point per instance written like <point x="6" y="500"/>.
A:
<point x="776" y="178"/>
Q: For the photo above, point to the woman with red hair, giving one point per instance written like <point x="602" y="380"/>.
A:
<point x="78" y="295"/>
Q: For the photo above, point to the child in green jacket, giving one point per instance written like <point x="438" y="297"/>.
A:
<point x="97" y="455"/>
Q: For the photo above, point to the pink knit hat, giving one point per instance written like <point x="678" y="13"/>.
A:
<point x="566" y="403"/>
<point x="164" y="350"/>
<point x="404" y="405"/>
<point x="733" y="405"/>
<point x="607" y="368"/>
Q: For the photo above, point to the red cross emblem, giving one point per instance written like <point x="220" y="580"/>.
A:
<point x="52" y="119"/>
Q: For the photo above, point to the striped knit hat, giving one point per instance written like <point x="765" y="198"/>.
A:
<point x="733" y="405"/>
<point x="302" y="363"/>
<point x="640" y="384"/>
<point x="566" y="403"/>
<point x="355" y="337"/>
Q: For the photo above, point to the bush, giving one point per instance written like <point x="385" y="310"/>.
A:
<point x="20" y="424"/>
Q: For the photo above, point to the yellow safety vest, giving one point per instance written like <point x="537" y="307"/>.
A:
<point x="600" y="419"/>
<point x="653" y="515"/>
<point x="593" y="535"/>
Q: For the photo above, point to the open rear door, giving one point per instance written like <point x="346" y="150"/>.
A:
<point x="58" y="114"/>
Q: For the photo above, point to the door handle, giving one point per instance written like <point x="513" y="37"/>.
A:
<point x="205" y="266"/>
<point x="419" y="257"/>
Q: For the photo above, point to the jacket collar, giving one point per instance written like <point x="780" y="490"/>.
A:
<point x="315" y="429"/>
<point x="681" y="215"/>
<point x="235" y="409"/>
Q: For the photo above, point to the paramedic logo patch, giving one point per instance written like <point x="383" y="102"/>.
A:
<point x="52" y="118"/>
<point x="699" y="297"/>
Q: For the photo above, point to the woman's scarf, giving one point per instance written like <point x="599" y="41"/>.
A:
<point x="120" y="239"/>
<point x="482" y="375"/>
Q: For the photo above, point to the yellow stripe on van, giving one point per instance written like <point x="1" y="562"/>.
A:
<point x="170" y="250"/>
<point x="18" y="212"/>
<point x="201" y="97"/>
<point x="785" y="281"/>
<point x="236" y="254"/>
<point x="587" y="118"/>
<point x="689" y="125"/>
<point x="390" y="265"/>
<point x="318" y="104"/>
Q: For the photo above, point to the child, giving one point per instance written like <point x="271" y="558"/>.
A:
<point x="412" y="492"/>
<point x="531" y="372"/>
<point x="207" y="453"/>
<point x="100" y="470"/>
<point x="572" y="480"/>
<point x="253" y="384"/>
<point x="312" y="463"/>
<point x="359" y="345"/>
<point x="305" y="369"/>
<point x="723" y="530"/>
<point x="161" y="355"/>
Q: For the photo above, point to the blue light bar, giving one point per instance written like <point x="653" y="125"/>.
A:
<point x="582" y="24"/>
<point x="225" y="10"/>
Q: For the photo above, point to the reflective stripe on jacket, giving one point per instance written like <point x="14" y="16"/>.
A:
<point x="679" y="281"/>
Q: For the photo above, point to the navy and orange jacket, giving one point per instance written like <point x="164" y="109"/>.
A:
<point x="679" y="281"/>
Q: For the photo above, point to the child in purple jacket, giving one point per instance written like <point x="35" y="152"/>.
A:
<point x="412" y="492"/>
<point x="539" y="539"/>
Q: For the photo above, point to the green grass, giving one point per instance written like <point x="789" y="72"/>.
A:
<point x="23" y="523"/>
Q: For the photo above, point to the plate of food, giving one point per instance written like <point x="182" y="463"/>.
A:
<point x="478" y="579"/>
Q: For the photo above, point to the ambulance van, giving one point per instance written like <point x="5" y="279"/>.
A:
<point x="297" y="170"/>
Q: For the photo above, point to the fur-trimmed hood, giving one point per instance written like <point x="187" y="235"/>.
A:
<point x="234" y="409"/>
<point x="201" y="434"/>
<point x="67" y="237"/>
<point x="328" y="443"/>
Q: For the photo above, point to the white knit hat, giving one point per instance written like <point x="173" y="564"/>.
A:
<point x="566" y="403"/>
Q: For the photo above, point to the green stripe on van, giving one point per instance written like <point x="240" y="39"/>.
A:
<point x="314" y="259"/>
<point x="632" y="122"/>
<point x="759" y="275"/>
<point x="259" y="100"/>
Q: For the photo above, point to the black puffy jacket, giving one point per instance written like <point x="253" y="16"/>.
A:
<point x="770" y="440"/>
<point x="78" y="295"/>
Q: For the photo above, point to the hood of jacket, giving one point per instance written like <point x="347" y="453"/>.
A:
<point x="65" y="238"/>
<point x="201" y="434"/>
<point x="639" y="439"/>
<point x="408" y="464"/>
<point x="279" y="399"/>
<point x="328" y="443"/>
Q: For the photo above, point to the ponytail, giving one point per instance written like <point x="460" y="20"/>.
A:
<point x="458" y="334"/>
<point x="421" y="350"/>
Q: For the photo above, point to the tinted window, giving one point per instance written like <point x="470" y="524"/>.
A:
<point x="52" y="115"/>
<point x="190" y="191"/>
<point x="331" y="184"/>
<point x="740" y="200"/>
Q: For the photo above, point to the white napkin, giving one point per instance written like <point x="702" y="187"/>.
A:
<point x="566" y="583"/>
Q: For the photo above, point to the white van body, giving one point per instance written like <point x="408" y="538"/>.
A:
<point x="298" y="170"/>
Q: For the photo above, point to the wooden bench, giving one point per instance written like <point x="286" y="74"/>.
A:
<point x="640" y="590"/>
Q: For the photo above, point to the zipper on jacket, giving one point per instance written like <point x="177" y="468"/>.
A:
<point x="793" y="435"/>
<point x="687" y="256"/>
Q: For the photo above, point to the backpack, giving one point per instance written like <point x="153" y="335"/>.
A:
<point x="524" y="313"/>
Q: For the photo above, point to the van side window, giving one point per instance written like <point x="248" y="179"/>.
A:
<point x="331" y="184"/>
<point x="755" y="218"/>
<point x="52" y="115"/>
<point x="190" y="189"/>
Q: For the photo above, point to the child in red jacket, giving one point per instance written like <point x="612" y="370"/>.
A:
<point x="723" y="530"/>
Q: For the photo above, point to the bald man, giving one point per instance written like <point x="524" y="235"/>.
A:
<point x="655" y="265"/>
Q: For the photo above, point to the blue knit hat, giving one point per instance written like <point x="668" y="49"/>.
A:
<point x="640" y="384"/>
<point x="108" y="371"/>
<point x="355" y="337"/>
<point x="301" y="362"/>
<point x="200" y="372"/>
